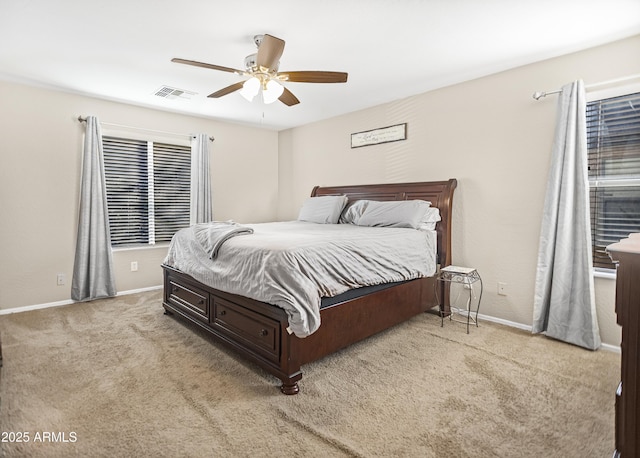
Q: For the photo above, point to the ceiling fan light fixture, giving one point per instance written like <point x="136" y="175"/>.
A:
<point x="250" y="88"/>
<point x="272" y="91"/>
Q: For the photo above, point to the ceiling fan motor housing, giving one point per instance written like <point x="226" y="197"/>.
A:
<point x="251" y="64"/>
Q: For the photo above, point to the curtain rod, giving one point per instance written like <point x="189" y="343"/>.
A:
<point x="81" y="119"/>
<point x="539" y="94"/>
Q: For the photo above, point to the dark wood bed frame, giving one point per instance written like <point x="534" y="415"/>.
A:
<point x="258" y="331"/>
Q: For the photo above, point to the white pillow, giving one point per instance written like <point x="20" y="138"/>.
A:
<point x="322" y="209"/>
<point x="402" y="213"/>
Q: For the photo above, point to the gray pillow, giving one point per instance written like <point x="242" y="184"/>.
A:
<point x="403" y="213"/>
<point x="322" y="209"/>
<point x="353" y="212"/>
<point x="431" y="217"/>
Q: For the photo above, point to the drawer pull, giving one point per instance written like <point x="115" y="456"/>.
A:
<point x="263" y="332"/>
<point x="222" y="312"/>
<point x="201" y="301"/>
<point x="175" y="289"/>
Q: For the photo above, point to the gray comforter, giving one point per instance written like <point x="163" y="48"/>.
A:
<point x="293" y="264"/>
<point x="212" y="235"/>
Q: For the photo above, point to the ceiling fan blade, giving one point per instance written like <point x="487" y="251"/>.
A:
<point x="315" y="77"/>
<point x="269" y="52"/>
<point x="227" y="90"/>
<point x="205" y="65"/>
<point x="288" y="98"/>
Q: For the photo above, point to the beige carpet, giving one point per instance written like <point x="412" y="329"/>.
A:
<point x="118" y="378"/>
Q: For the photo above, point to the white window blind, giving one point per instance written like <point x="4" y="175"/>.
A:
<point x="613" y="140"/>
<point x="147" y="189"/>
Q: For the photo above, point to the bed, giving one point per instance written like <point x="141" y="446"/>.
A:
<point x="261" y="332"/>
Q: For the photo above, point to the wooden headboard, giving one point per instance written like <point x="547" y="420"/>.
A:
<point x="439" y="193"/>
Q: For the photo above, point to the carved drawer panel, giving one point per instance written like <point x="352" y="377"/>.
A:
<point x="258" y="332"/>
<point x="192" y="300"/>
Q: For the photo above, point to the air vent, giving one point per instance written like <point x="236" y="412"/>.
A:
<point x="168" y="92"/>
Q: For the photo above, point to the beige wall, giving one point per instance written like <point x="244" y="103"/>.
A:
<point x="41" y="145"/>
<point x="494" y="138"/>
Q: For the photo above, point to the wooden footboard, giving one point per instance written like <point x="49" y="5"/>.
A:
<point x="256" y="330"/>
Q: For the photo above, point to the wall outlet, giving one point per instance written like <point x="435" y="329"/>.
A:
<point x="502" y="288"/>
<point x="134" y="266"/>
<point x="60" y="279"/>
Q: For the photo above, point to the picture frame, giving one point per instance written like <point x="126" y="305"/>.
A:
<point x="380" y="135"/>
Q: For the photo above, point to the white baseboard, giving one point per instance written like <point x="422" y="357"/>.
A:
<point x="613" y="348"/>
<point x="512" y="324"/>
<point x="47" y="305"/>
<point x="608" y="347"/>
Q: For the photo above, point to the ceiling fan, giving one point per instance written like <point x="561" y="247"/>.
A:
<point x="262" y="70"/>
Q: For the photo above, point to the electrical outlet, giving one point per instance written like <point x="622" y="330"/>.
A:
<point x="502" y="289"/>
<point x="134" y="266"/>
<point x="60" y="279"/>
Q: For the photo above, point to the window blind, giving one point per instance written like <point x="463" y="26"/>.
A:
<point x="172" y="180"/>
<point x="147" y="189"/>
<point x="613" y="141"/>
<point x="126" y="177"/>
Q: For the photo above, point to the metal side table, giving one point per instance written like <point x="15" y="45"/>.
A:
<point x="465" y="276"/>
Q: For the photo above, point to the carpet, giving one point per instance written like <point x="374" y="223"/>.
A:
<point x="117" y="377"/>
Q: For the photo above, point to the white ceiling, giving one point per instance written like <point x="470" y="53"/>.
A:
<point x="121" y="49"/>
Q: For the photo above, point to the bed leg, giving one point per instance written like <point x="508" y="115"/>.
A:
<point x="289" y="388"/>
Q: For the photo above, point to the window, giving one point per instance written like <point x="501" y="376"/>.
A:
<point x="613" y="141"/>
<point x="148" y="189"/>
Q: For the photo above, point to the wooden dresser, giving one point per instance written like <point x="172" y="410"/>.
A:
<point x="626" y="254"/>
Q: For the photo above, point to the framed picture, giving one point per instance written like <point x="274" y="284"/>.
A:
<point x="381" y="135"/>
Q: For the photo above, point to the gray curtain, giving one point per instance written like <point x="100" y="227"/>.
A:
<point x="93" y="268"/>
<point x="564" y="302"/>
<point x="201" y="205"/>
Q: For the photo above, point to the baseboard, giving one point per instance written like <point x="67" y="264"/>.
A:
<point x="607" y="347"/>
<point x="511" y="324"/>
<point x="613" y="348"/>
<point x="28" y="308"/>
